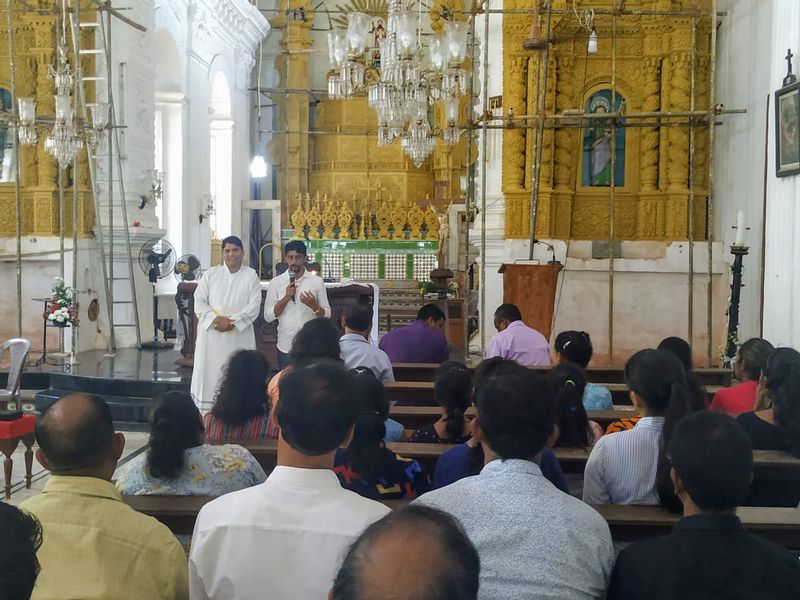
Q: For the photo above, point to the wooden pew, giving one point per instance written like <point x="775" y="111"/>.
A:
<point x="767" y="464"/>
<point x="420" y="393"/>
<point x="424" y="372"/>
<point x="414" y="417"/>
<point x="627" y="523"/>
<point x="266" y="452"/>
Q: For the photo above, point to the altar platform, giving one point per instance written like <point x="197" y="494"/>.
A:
<point x="129" y="381"/>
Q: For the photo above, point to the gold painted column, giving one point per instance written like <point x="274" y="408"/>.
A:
<point x="293" y="146"/>
<point x="678" y="137"/>
<point x="650" y="136"/>
<point x="565" y="158"/>
<point x="514" y="139"/>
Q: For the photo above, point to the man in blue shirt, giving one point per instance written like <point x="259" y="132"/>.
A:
<point x="355" y="345"/>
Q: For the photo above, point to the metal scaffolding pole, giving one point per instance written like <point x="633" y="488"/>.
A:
<point x="541" y="107"/>
<point x="15" y="140"/>
<point x="484" y="146"/>
<point x="710" y="205"/>
<point x="613" y="196"/>
<point x="469" y="193"/>
<point x="690" y="205"/>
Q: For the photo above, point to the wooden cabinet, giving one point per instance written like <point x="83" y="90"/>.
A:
<point x="533" y="289"/>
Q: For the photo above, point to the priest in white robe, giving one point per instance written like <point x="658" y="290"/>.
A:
<point x="226" y="302"/>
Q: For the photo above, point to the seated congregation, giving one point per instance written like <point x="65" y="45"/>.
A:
<point x="345" y="515"/>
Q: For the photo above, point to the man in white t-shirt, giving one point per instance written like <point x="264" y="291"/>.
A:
<point x="294" y="298"/>
<point x="285" y="537"/>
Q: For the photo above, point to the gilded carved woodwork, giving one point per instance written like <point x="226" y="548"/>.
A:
<point x="329" y="218"/>
<point x="653" y="73"/>
<point x="34" y="36"/>
<point x="346" y="218"/>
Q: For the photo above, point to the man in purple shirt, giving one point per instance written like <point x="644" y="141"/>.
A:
<point x="422" y="341"/>
<point x="515" y="340"/>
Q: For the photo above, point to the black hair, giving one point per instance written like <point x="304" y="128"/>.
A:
<point x="510" y="312"/>
<point x="660" y="381"/>
<point x="232" y="239"/>
<point x="84" y="446"/>
<point x="175" y="425"/>
<point x="317" y="408"/>
<point x="366" y="451"/>
<point x="680" y="348"/>
<point x="491" y="366"/>
<point x="713" y="456"/>
<point x="430" y="311"/>
<point x="753" y="354"/>
<point x="575" y="346"/>
<point x="568" y="382"/>
<point x="454" y="575"/>
<point x="22" y="537"/>
<point x="317" y="339"/>
<point x="242" y="394"/>
<point x="782" y="374"/>
<point x="358" y="317"/>
<point x="298" y="246"/>
<point x="515" y="411"/>
<point x="452" y="386"/>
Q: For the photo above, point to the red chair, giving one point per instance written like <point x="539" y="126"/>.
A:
<point x="15" y="426"/>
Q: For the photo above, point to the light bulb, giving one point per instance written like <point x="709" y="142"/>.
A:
<point x="592" y="48"/>
<point x="258" y="167"/>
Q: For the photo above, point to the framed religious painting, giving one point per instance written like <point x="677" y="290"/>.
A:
<point x="787" y="130"/>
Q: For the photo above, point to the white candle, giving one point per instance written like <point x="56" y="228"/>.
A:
<point x="739" y="229"/>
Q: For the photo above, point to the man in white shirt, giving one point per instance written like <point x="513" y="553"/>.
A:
<point x="284" y="538"/>
<point x="357" y="350"/>
<point x="284" y="291"/>
<point x="534" y="540"/>
<point x="226" y="303"/>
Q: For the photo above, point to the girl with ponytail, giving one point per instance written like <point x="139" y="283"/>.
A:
<point x="367" y="466"/>
<point x="452" y="387"/>
<point x="178" y="463"/>
<point x="776" y="427"/>
<point x="575" y="430"/>
<point x="630" y="467"/>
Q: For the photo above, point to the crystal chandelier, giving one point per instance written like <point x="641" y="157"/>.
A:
<point x="410" y="82"/>
<point x="63" y="143"/>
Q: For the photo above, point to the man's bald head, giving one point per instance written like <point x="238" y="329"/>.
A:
<point x="413" y="553"/>
<point x="76" y="434"/>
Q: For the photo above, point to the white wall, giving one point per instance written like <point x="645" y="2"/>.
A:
<point x="782" y="283"/>
<point x="753" y="40"/>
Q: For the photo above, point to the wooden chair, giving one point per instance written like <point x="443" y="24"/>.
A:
<point x="14" y="425"/>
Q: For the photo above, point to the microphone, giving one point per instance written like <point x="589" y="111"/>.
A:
<point x="292" y="278"/>
<point x="553" y="260"/>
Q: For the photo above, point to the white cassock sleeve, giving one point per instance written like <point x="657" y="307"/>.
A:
<point x="249" y="313"/>
<point x="202" y="308"/>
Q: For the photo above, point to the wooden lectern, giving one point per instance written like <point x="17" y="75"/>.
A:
<point x="533" y="289"/>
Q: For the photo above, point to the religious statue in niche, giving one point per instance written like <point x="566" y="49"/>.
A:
<point x="596" y="170"/>
<point x="787" y="124"/>
<point x="379" y="33"/>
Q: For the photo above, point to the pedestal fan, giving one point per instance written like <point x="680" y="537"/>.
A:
<point x="157" y="260"/>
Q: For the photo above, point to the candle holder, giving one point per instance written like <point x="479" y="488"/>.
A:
<point x="739" y="252"/>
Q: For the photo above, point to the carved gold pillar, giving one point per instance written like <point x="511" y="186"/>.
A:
<point x="514" y="139"/>
<point x="678" y="137"/>
<point x="293" y="67"/>
<point x="565" y="160"/>
<point x="650" y="136"/>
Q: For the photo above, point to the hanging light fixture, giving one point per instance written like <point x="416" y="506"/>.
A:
<point x="63" y="143"/>
<point x="535" y="40"/>
<point x="592" y="47"/>
<point x="258" y="167"/>
<point x="409" y="84"/>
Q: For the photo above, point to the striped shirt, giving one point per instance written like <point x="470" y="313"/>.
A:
<point x="259" y="427"/>
<point x="622" y="466"/>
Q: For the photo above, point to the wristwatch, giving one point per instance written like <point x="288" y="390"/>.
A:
<point x="320" y="312"/>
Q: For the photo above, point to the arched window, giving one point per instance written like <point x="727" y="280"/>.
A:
<point x="596" y="170"/>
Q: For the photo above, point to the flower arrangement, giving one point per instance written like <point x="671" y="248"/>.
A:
<point x="62" y="310"/>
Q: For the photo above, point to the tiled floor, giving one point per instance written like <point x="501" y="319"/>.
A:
<point x="135" y="441"/>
